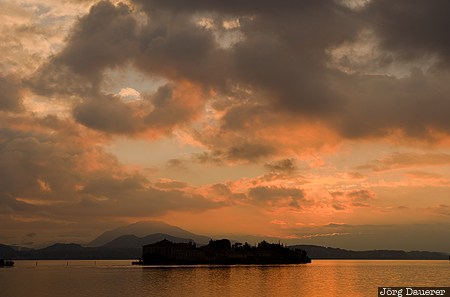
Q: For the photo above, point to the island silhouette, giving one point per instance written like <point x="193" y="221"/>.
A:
<point x="166" y="252"/>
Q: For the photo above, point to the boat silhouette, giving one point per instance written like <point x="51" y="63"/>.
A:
<point x="6" y="263"/>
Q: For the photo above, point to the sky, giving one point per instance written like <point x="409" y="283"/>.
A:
<point x="317" y="122"/>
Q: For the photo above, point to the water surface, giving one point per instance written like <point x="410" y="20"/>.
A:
<point x="119" y="278"/>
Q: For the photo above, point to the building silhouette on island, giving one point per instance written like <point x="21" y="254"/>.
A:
<point x="220" y="251"/>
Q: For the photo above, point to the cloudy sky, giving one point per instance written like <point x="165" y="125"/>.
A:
<point x="319" y="122"/>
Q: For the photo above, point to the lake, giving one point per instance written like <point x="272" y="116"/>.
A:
<point x="120" y="278"/>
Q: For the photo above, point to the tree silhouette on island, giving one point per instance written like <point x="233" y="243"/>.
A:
<point x="220" y="251"/>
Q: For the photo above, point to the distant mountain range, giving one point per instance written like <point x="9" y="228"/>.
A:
<point x="320" y="252"/>
<point x="132" y="241"/>
<point x="122" y="247"/>
<point x="141" y="229"/>
<point x="126" y="243"/>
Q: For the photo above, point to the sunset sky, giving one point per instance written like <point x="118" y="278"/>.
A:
<point x="318" y="122"/>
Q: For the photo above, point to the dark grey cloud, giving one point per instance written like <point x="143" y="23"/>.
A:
<point x="294" y="80"/>
<point x="239" y="152"/>
<point x="177" y="164"/>
<point x="56" y="79"/>
<point x="279" y="66"/>
<point x="178" y="49"/>
<point x="107" y="38"/>
<point x="103" y="38"/>
<point x="411" y="29"/>
<point x="209" y="158"/>
<point x="378" y="105"/>
<point x="107" y="113"/>
<point x="274" y="196"/>
<point x="282" y="166"/>
<point x="244" y="7"/>
<point x="249" y="151"/>
<point x="172" y="46"/>
<point x="223" y="191"/>
<point x="10" y="94"/>
<point x="283" y="49"/>
<point x="352" y="198"/>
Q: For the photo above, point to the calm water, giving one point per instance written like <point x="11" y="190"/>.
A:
<point x="119" y="278"/>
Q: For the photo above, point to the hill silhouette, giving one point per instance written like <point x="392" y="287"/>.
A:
<point x="145" y="228"/>
<point x="132" y="241"/>
<point x="321" y="252"/>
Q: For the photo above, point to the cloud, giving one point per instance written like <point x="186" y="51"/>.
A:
<point x="226" y="194"/>
<point x="281" y="62"/>
<point x="101" y="39"/>
<point x="170" y="184"/>
<point x="282" y="74"/>
<point x="174" y="106"/>
<point x="178" y="50"/>
<point x="278" y="222"/>
<point x="176" y="164"/>
<point x="381" y="105"/>
<point x="238" y="152"/>
<point x="135" y="197"/>
<point x="343" y="200"/>
<point x="108" y="114"/>
<point x="441" y="209"/>
<point x="10" y="94"/>
<point x="424" y="175"/>
<point x="247" y="84"/>
<point x="33" y="31"/>
<point x="159" y="113"/>
<point x="291" y="197"/>
<point x="411" y="29"/>
<point x="175" y="48"/>
<point x="57" y="171"/>
<point x="248" y="151"/>
<point x="407" y="160"/>
<point x="283" y="166"/>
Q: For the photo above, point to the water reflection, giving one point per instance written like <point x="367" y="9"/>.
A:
<point x="286" y="280"/>
<point x="324" y="278"/>
<point x="119" y="278"/>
